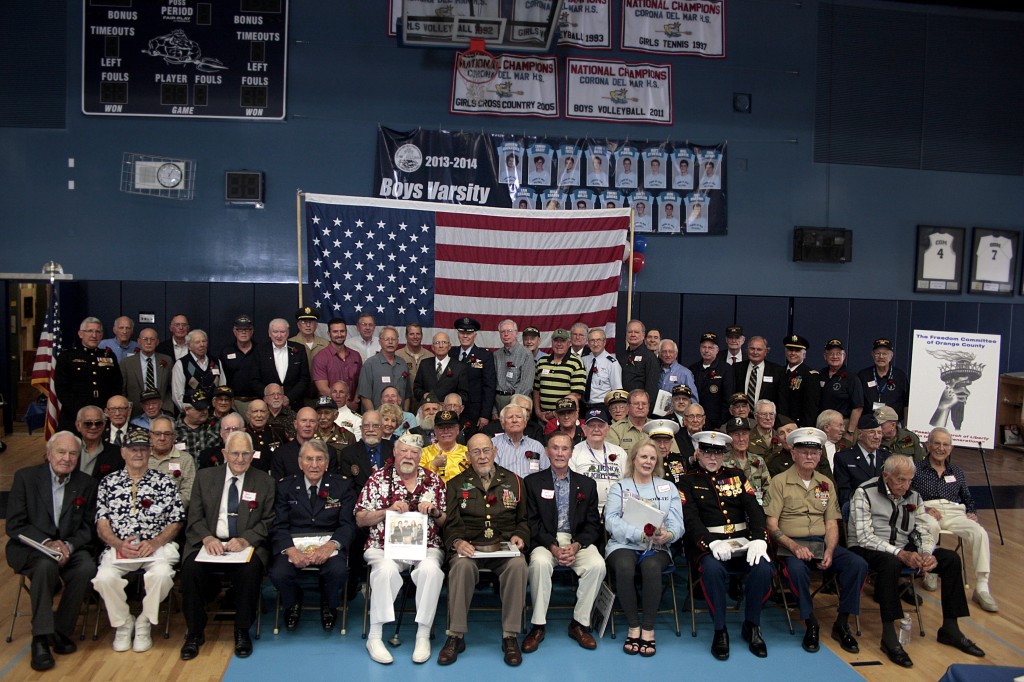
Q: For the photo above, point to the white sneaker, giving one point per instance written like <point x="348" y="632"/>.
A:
<point x="123" y="635"/>
<point x="378" y="651"/>
<point x="143" y="637"/>
<point x="421" y="653"/>
<point x="985" y="601"/>
<point x="930" y="582"/>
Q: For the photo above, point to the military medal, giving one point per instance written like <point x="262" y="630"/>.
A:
<point x="488" y="531"/>
<point x="465" y="497"/>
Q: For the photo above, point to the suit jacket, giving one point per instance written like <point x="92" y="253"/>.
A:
<point x="852" y="469"/>
<point x="714" y="386"/>
<point x="770" y="390"/>
<point x="296" y="378"/>
<point x="640" y="369"/>
<point x="253" y="523"/>
<point x="542" y="509"/>
<point x="427" y="381"/>
<point x="133" y="374"/>
<point x="355" y="463"/>
<point x="30" y="512"/>
<point x="331" y="515"/>
<point x="284" y="461"/>
<point x="107" y="462"/>
<point x="483" y="382"/>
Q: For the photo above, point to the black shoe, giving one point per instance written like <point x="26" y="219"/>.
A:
<point x="897" y="655"/>
<point x="752" y="634"/>
<point x="327" y="617"/>
<point x="190" y="649"/>
<point x="720" y="645"/>
<point x="42" y="659"/>
<point x="243" y="645"/>
<point x="842" y="634"/>
<point x="62" y="644"/>
<point x="960" y="641"/>
<point x="810" y="642"/>
<point x="291" y="617"/>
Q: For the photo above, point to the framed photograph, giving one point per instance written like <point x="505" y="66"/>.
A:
<point x="993" y="262"/>
<point x="940" y="259"/>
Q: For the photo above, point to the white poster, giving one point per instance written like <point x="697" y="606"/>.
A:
<point x="586" y="23"/>
<point x="674" y="27"/>
<point x="524" y="86"/>
<point x="434" y="17"/>
<point x="955" y="385"/>
<point x="606" y="90"/>
<point x="405" y="536"/>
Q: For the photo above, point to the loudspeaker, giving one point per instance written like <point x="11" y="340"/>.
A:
<point x="244" y="187"/>
<point x="822" y="245"/>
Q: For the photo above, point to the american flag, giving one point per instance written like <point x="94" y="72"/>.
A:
<point x="406" y="261"/>
<point x="46" y="361"/>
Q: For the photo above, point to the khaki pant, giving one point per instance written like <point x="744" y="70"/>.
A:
<point x="590" y="568"/>
<point x="954" y="520"/>
<point x="463" y="576"/>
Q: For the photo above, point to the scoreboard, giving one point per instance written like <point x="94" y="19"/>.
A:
<point x="185" y="58"/>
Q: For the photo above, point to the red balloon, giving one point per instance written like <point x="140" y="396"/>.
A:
<point x="638" y="262"/>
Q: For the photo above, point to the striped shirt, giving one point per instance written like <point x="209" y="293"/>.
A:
<point x="555" y="380"/>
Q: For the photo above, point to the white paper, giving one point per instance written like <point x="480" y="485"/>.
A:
<point x="405" y="536"/>
<point x="52" y="553"/>
<point x="638" y="514"/>
<point x="663" y="403"/>
<point x="507" y="551"/>
<point x="225" y="558"/>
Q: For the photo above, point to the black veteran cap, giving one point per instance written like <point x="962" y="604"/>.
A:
<point x="709" y="336"/>
<point x="197" y="399"/>
<point x="733" y="330"/>
<point x="223" y="392"/>
<point x="739" y="398"/>
<point x="737" y="424"/>
<point x="136" y="435"/>
<point x="531" y="331"/>
<point x="682" y="389"/>
<point x="430" y="398"/>
<point x="882" y="343"/>
<point x="446" y="418"/>
<point x="243" y="322"/>
<point x="796" y="342"/>
<point x="150" y="395"/>
<point x="306" y="313"/>
<point x="325" y="402"/>
<point x="467" y="325"/>
<point x="599" y="413"/>
<point x="834" y="343"/>
<point x="867" y="421"/>
<point x="566" y="405"/>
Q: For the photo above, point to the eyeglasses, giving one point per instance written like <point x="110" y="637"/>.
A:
<point x="480" y="451"/>
<point x="240" y="455"/>
<point x="118" y="409"/>
<point x="231" y="429"/>
<point x="370" y="425"/>
<point x="694" y="417"/>
<point x="162" y="434"/>
<point x="91" y="424"/>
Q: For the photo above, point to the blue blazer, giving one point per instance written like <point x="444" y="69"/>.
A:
<point x="294" y="515"/>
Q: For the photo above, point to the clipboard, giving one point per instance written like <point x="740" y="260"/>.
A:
<point x="638" y="514"/>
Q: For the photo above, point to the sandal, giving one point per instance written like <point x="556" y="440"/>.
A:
<point x="648" y="647"/>
<point x="632" y="645"/>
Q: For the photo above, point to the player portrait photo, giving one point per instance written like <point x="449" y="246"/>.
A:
<point x="539" y="165"/>
<point x="668" y="213"/>
<point x="654" y="168"/>
<point x="568" y="166"/>
<point x="597" y="166"/>
<point x="697" y="213"/>
<point x="709" y="167"/>
<point x="640" y="202"/>
<point x="626" y="160"/>
<point x="682" y="169"/>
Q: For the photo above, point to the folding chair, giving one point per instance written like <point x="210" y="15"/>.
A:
<point x="692" y="571"/>
<point x="959" y="549"/>
<point x="670" y="572"/>
<point x="344" y="603"/>
<point x="408" y="587"/>
<point x="135" y="576"/>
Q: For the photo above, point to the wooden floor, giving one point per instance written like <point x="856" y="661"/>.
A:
<point x="1001" y="635"/>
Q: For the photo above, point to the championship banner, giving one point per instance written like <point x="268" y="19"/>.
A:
<point x="436" y="17"/>
<point x="606" y="90"/>
<point x="674" y="27"/>
<point x="586" y="24"/>
<point x="406" y="261"/>
<point x="521" y="86"/>
<point x="673" y="187"/>
<point x="955" y="386"/>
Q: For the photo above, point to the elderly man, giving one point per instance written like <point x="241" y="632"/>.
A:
<point x="97" y="457"/>
<point x="196" y="370"/>
<point x="147" y="370"/>
<point x="152" y="404"/>
<point x="117" y="411"/>
<point x="887" y="527"/>
<point x="630" y="431"/>
<point x="384" y="370"/>
<point x="596" y="458"/>
<point x="740" y="405"/>
<point x="652" y="339"/>
<point x="425" y="414"/>
<point x="176" y="464"/>
<point x="559" y="375"/>
<point x="640" y="366"/>
<point x="672" y="373"/>
<point x="739" y="456"/>
<point x="662" y="434"/>
<point x="896" y="439"/>
<point x="368" y="455"/>
<point x="578" y="340"/>
<point x="54" y="504"/>
<point x="834" y="426"/>
<point x="950" y="506"/>
<point x="764" y="440"/>
<point x="194" y="432"/>
<point x="337" y="363"/>
<point x="860" y="462"/>
<point x="138" y="516"/>
<point x="405" y="487"/>
<point x="441" y="374"/>
<point x="841" y="390"/>
<point x="177" y="346"/>
<point x="567" y="421"/>
<point x="720" y="512"/>
<point x="366" y="344"/>
<point x="281" y="415"/>
<point x="803" y="522"/>
<point x="231" y="511"/>
<point x="531" y="341"/>
<point x="236" y="359"/>
<point x="306" y="319"/>
<point x="347" y="419"/>
<point x="713" y="379"/>
<point x="413" y="351"/>
<point x="565" y="527"/>
<point x="513" y="365"/>
<point x="285" y="461"/>
<point x="758" y="377"/>
<point x="327" y="428"/>
<point x="734" y="340"/>
<point x="514" y="450"/>
<point x="801" y="392"/>
<point x="222" y="403"/>
<point x="283" y="362"/>
<point x="445" y="458"/>
<point x="266" y="437"/>
<point x="121" y="344"/>
<point x="214" y="455"/>
<point x="694" y="420"/>
<point x="483" y="378"/>
<point x="317" y="505"/>
<point x="883" y="383"/>
<point x="85" y="374"/>
<point x="485" y="508"/>
<point x="603" y="371"/>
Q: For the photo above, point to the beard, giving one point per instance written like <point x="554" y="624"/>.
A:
<point x="427" y="423"/>
<point x="371" y="440"/>
<point x="407" y="466"/>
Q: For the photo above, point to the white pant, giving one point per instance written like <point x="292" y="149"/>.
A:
<point x="590" y="568"/>
<point x="159" y="578"/>
<point x="954" y="519"/>
<point x="386" y="582"/>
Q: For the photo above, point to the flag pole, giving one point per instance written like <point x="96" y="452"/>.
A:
<point x="298" y="238"/>
<point x="629" y="282"/>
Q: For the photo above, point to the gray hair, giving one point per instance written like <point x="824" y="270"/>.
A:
<point x="893" y="463"/>
<point x="512" y="406"/>
<point x="827" y="417"/>
<point x="278" y="320"/>
<point x="763" y="403"/>
<point x="235" y="435"/>
<point x="50" y="444"/>
<point x="670" y="342"/>
<point x="90" y="320"/>
<point x="78" y="416"/>
<point x="315" y="444"/>
<point x="191" y="336"/>
<point x="939" y="429"/>
<point x="510" y="321"/>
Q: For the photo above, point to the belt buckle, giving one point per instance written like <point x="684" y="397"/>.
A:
<point x="730" y="528"/>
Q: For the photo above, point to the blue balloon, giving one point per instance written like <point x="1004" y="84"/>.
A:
<point x="639" y="244"/>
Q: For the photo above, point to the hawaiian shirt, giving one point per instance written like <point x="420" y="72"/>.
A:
<point x="384" y="488"/>
<point x="141" y="510"/>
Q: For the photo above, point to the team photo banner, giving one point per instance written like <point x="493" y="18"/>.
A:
<point x="586" y="24"/>
<point x="606" y="90"/>
<point x="681" y="27"/>
<point x="524" y="86"/>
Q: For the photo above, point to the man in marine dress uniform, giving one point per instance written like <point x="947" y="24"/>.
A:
<point x="85" y="374"/>
<point x="483" y="380"/>
<point x="801" y="393"/>
<point x="714" y="380"/>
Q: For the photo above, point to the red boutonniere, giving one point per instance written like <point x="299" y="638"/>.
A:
<point x="214" y="460"/>
<point x="509" y="364"/>
<point x="911" y="507"/>
<point x="405" y="425"/>
<point x="322" y="494"/>
<point x="252" y="505"/>
<point x="580" y="497"/>
<point x="405" y="375"/>
<point x="448" y="373"/>
<point x="293" y="350"/>
<point x="146" y="503"/>
<point x="79" y="502"/>
<point x="491" y="499"/>
<point x="823" y="486"/>
<point x="472" y="359"/>
<point x="754" y="463"/>
<point x="907" y="442"/>
<point x="104" y="468"/>
<point x="892" y="384"/>
<point x="163" y="363"/>
<point x="842" y="375"/>
<point x="775" y="441"/>
<point x="649" y="530"/>
<point x="612" y="457"/>
<point x="466" y="425"/>
<point x="176" y="473"/>
<point x="712" y="375"/>
<point x="530" y="454"/>
<point x="593" y="370"/>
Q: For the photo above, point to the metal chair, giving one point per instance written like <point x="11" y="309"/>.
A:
<point x="137" y="577"/>
<point x="408" y="587"/>
<point x="670" y="572"/>
<point x="488" y="575"/>
<point x="691" y="573"/>
<point x="344" y="604"/>
<point x="22" y="586"/>
<point x="959" y="549"/>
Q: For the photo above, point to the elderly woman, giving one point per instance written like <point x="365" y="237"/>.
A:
<point x="633" y="549"/>
<point x="949" y="506"/>
<point x="391" y="417"/>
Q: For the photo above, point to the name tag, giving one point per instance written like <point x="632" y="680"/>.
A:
<point x="872" y="383"/>
<point x="509" y="374"/>
<point x="256" y="454"/>
<point x="638" y="358"/>
<point x="231" y="356"/>
<point x="179" y="446"/>
<point x="173" y="466"/>
<point x="215" y="372"/>
<point x="877" y="406"/>
<point x="545" y="371"/>
<point x="768" y="380"/>
<point x="385" y="380"/>
<point x="534" y="465"/>
<point x="950" y="478"/>
<point x="547" y="494"/>
<point x="664" y="487"/>
<point x="248" y="496"/>
<point x="672" y="377"/>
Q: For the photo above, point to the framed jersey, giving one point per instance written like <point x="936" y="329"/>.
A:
<point x="994" y="262"/>
<point x="940" y="259"/>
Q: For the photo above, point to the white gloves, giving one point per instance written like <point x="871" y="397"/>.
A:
<point x="720" y="550"/>
<point x="757" y="550"/>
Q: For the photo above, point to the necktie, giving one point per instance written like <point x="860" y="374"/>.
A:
<point x="233" y="508"/>
<point x="375" y="456"/>
<point x="150" y="375"/>
<point x="462" y="356"/>
<point x="117" y="437"/>
<point x="312" y="495"/>
<point x="752" y="384"/>
<point x="440" y="368"/>
<point x="871" y="460"/>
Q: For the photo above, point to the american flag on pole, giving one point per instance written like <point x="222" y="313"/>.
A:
<point x="405" y="261"/>
<point x="46" y="361"/>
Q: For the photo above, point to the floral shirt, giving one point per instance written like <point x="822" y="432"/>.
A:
<point x="384" y="488"/>
<point x="141" y="510"/>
